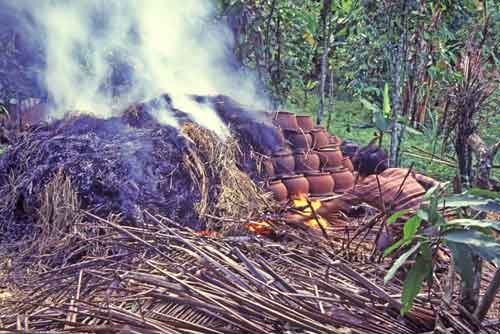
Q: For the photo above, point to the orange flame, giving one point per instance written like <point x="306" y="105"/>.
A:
<point x="301" y="201"/>
<point x="260" y="227"/>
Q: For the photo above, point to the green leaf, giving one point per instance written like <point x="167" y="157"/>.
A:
<point x="413" y="282"/>
<point x="409" y="231"/>
<point x="494" y="224"/>
<point x="411" y="227"/>
<point x="399" y="262"/>
<point x="462" y="256"/>
<point x="396" y="216"/>
<point x="484" y="193"/>
<point x="463" y="200"/>
<point x="368" y="105"/>
<point x="387" y="101"/>
<point x="479" y="243"/>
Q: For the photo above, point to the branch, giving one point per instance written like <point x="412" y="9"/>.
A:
<point x="489" y="297"/>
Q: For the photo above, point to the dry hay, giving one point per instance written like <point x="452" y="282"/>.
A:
<point x="229" y="197"/>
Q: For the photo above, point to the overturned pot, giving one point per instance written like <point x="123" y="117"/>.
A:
<point x="297" y="185"/>
<point x="320" y="137"/>
<point x="331" y="157"/>
<point x="320" y="183"/>
<point x="286" y="120"/>
<point x="305" y="122"/>
<point x="306" y="161"/>
<point x="278" y="188"/>
<point x="283" y="162"/>
<point x="299" y="138"/>
<point x="344" y="180"/>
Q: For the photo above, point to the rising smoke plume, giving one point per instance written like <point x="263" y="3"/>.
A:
<point x="102" y="55"/>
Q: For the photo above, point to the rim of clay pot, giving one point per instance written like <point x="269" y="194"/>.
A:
<point x="318" y="196"/>
<point x="328" y="148"/>
<point x="291" y="176"/>
<point x="316" y="173"/>
<point x="317" y="129"/>
<point x="275" y="180"/>
<point x="337" y="169"/>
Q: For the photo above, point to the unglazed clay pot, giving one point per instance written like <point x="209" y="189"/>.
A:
<point x="331" y="157"/>
<point x="330" y="207"/>
<point x="320" y="137"/>
<point x="344" y="180"/>
<point x="299" y="139"/>
<point x="320" y="183"/>
<point x="279" y="190"/>
<point x="296" y="185"/>
<point x="305" y="122"/>
<point x="283" y="162"/>
<point x="267" y="168"/>
<point x="306" y="162"/>
<point x="286" y="120"/>
<point x="347" y="163"/>
<point x="335" y="140"/>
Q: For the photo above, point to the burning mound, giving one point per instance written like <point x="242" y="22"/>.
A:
<point x="114" y="168"/>
<point x="124" y="165"/>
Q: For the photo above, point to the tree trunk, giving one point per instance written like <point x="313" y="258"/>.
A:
<point x="396" y="94"/>
<point x="325" y="13"/>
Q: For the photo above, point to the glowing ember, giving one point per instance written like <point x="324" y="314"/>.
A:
<point x="260" y="227"/>
<point x="207" y="233"/>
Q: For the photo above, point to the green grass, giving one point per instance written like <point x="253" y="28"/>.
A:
<point x="348" y="116"/>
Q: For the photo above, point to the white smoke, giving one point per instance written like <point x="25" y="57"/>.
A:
<point x="169" y="46"/>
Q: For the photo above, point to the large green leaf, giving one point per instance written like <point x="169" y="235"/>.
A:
<point x="494" y="224"/>
<point x="380" y="121"/>
<point x="462" y="201"/>
<point x="462" y="256"/>
<point x="479" y="243"/>
<point x="416" y="276"/>
<point x="399" y="262"/>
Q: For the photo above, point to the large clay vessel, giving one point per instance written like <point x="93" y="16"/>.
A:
<point x="278" y="188"/>
<point x="306" y="162"/>
<point x="305" y="122"/>
<point x="320" y="138"/>
<point x="299" y="139"/>
<point x="283" y="162"/>
<point x="347" y="163"/>
<point x="297" y="185"/>
<point x="331" y="157"/>
<point x="320" y="183"/>
<point x="286" y="120"/>
<point x="344" y="180"/>
<point x="267" y="168"/>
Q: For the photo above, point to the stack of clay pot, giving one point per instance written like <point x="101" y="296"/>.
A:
<point x="311" y="162"/>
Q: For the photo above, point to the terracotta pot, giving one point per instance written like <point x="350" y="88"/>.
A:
<point x="279" y="190"/>
<point x="286" y="120"/>
<point x="267" y="168"/>
<point x="299" y="139"/>
<point x="344" y="180"/>
<point x="320" y="183"/>
<point x="335" y="140"/>
<point x="296" y="184"/>
<point x="283" y="162"/>
<point x="320" y="137"/>
<point x="305" y="122"/>
<point x="347" y="163"/>
<point x="331" y="157"/>
<point x="306" y="162"/>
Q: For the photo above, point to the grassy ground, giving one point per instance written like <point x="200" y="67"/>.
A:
<point x="348" y="116"/>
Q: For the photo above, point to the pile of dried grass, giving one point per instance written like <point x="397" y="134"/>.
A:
<point x="229" y="197"/>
